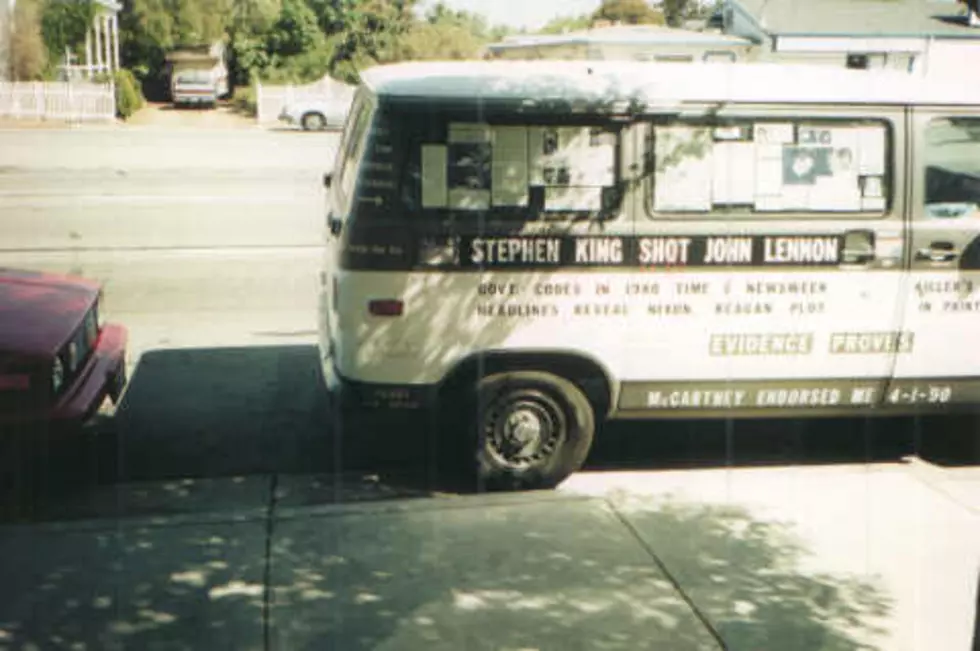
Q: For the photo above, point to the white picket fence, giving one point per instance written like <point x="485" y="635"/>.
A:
<point x="77" y="101"/>
<point x="270" y="99"/>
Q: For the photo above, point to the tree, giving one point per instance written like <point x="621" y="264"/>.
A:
<point x="628" y="12"/>
<point x="675" y="11"/>
<point x="27" y="52"/>
<point x="563" y="24"/>
<point x="426" y="41"/>
<point x="295" y="32"/>
<point x="64" y="24"/>
<point x="369" y="35"/>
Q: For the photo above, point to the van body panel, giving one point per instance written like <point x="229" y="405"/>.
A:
<point x="767" y="255"/>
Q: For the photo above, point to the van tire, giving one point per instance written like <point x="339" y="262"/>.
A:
<point x="550" y="413"/>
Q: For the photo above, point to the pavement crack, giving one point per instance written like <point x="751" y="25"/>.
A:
<point x="666" y="572"/>
<point x="267" y="570"/>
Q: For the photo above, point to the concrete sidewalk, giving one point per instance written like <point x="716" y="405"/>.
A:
<point x="881" y="557"/>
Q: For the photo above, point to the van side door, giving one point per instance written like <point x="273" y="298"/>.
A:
<point x="943" y="303"/>
<point x="771" y="261"/>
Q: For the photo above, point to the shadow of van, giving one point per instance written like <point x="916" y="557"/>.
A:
<point x="224" y="412"/>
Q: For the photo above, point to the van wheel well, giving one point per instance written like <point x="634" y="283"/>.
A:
<point x="585" y="373"/>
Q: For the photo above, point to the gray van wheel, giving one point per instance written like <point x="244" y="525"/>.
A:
<point x="533" y="430"/>
<point x="314" y="122"/>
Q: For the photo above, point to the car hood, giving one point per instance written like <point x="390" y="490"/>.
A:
<point x="39" y="312"/>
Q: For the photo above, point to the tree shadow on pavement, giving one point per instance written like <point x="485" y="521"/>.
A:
<point x="483" y="572"/>
<point x="134" y="586"/>
<point x="562" y="575"/>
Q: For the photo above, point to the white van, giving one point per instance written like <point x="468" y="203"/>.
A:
<point x="524" y="249"/>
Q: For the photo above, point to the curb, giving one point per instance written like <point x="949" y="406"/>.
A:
<point x="935" y="478"/>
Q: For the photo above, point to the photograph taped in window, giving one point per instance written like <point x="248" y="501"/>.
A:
<point x="555" y="169"/>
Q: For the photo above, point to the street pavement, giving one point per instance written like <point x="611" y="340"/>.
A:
<point x="214" y="510"/>
<point x="132" y="149"/>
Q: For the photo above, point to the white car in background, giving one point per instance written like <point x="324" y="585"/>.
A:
<point x="316" y="114"/>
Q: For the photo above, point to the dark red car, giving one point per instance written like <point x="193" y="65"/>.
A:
<point x="58" y="361"/>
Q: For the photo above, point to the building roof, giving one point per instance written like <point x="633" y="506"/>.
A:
<point x="622" y="35"/>
<point x="610" y="83"/>
<point x="865" y="18"/>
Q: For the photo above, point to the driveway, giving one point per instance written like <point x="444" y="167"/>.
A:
<point x="157" y="114"/>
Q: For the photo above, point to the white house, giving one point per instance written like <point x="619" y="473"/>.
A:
<point x="635" y="42"/>
<point x="101" y="41"/>
<point x="914" y="35"/>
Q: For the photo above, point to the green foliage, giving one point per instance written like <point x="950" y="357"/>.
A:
<point x="676" y="11"/>
<point x="447" y="34"/>
<point x="64" y="23"/>
<point x="244" y="101"/>
<point x="563" y="24"/>
<point x="296" y="32"/>
<point x="628" y="12"/>
<point x="431" y="42"/>
<point x="129" y="99"/>
<point x="295" y="41"/>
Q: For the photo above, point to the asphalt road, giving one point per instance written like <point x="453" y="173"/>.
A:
<point x="132" y="149"/>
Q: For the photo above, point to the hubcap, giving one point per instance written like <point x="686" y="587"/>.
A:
<point x="522" y="433"/>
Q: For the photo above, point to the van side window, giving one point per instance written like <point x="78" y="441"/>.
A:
<point x="521" y="170"/>
<point x="952" y="158"/>
<point x="768" y="166"/>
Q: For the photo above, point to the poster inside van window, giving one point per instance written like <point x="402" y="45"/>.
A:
<point x="573" y="165"/>
<point x="468" y="169"/>
<point x="482" y="166"/>
<point x="772" y="166"/>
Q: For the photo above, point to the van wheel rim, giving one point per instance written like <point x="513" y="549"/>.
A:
<point x="524" y="431"/>
<point x="315" y="122"/>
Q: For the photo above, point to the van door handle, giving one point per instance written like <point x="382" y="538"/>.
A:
<point x="938" y="252"/>
<point x="858" y="247"/>
<point x="336" y="225"/>
<point x="857" y="256"/>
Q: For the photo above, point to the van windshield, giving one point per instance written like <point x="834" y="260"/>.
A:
<point x="437" y="163"/>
